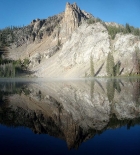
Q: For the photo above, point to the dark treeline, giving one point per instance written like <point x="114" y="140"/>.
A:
<point x="113" y="30"/>
<point x="10" y="88"/>
<point x="7" y="35"/>
<point x="12" y="68"/>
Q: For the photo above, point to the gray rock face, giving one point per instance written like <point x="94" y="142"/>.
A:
<point x="66" y="42"/>
<point x="37" y="30"/>
<point x="73" y="60"/>
<point x="72" y="18"/>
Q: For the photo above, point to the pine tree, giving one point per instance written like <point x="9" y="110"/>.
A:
<point x="117" y="68"/>
<point x="128" y="30"/>
<point x="110" y="65"/>
<point x="136" y="58"/>
<point x="91" y="66"/>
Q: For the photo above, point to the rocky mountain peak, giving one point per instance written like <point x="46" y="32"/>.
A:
<point x="66" y="43"/>
<point x="73" y="6"/>
<point x="73" y="17"/>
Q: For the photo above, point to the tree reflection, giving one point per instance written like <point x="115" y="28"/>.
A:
<point x="111" y="86"/>
<point x="136" y="91"/>
<point x="110" y="90"/>
<point x="92" y="88"/>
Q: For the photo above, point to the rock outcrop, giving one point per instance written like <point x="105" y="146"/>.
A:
<point x="73" y="17"/>
<point x="74" y="58"/>
<point x="67" y="42"/>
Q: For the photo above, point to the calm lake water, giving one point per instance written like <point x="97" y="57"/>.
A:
<point x="81" y="117"/>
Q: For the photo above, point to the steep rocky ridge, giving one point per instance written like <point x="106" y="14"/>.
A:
<point x="74" y="58"/>
<point x="62" y="45"/>
<point x="73" y="18"/>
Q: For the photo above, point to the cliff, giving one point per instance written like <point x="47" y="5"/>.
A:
<point x="63" y="45"/>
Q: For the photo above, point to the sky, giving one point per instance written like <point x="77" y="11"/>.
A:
<point x="22" y="12"/>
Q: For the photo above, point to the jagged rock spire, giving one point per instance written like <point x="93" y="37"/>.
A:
<point x="72" y="18"/>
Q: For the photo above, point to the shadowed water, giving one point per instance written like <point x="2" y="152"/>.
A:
<point x="100" y="116"/>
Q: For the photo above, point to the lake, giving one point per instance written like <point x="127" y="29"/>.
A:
<point x="72" y="117"/>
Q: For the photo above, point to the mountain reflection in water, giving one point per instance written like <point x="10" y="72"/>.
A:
<point x="74" y="111"/>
